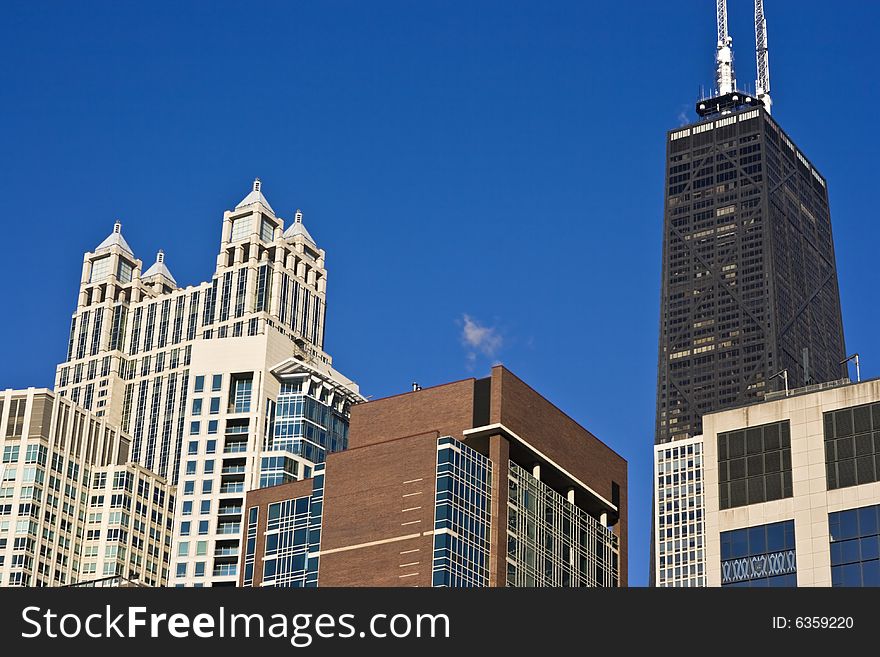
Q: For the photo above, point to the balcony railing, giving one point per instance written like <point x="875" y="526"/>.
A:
<point x="227" y="510"/>
<point x="232" y="469"/>
<point x="229" y="528"/>
<point x="225" y="569"/>
<point x="226" y="552"/>
<point x="232" y="487"/>
<point x="235" y="448"/>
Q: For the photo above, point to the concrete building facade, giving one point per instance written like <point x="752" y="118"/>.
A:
<point x="473" y="483"/>
<point x="73" y="508"/>
<point x="223" y="386"/>
<point x="791" y="491"/>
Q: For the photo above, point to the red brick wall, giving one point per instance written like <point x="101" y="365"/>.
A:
<point x="540" y="423"/>
<point x="371" y="494"/>
<point x="446" y="409"/>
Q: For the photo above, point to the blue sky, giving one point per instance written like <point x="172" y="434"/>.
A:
<point x="486" y="177"/>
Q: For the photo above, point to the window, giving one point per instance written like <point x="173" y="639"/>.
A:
<point x="185" y="528"/>
<point x="205" y="507"/>
<point x="759" y="556"/>
<point x="240" y="397"/>
<point x="211" y="447"/>
<point x="855" y="546"/>
<point x="203" y="527"/>
<point x="241" y="228"/>
<point x="754" y="465"/>
<point x="212" y="427"/>
<point x="207" y="486"/>
<point x="852" y="446"/>
<point x="187" y="508"/>
<point x="215" y="405"/>
<point x="200" y="569"/>
<point x="188" y="487"/>
<point x="10" y="454"/>
<point x="194" y="427"/>
<point x="199" y="385"/>
<point x="123" y="271"/>
<point x="209" y="466"/>
<point x="201" y="548"/>
<point x="190" y="467"/>
<point x="267" y="230"/>
<point x="100" y="269"/>
<point x="197" y="406"/>
<point x="181" y="570"/>
<point x="216" y="382"/>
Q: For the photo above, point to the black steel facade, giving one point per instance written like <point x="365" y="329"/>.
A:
<point x="749" y="284"/>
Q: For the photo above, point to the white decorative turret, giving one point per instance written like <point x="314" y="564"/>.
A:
<point x="255" y="196"/>
<point x="298" y="228"/>
<point x="159" y="268"/>
<point x="115" y="238"/>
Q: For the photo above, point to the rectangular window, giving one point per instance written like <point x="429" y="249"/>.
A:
<point x="240" y="394"/>
<point x="199" y="385"/>
<point x="855" y="546"/>
<point x="759" y="556"/>
<point x="241" y="228"/>
<point x="194" y="427"/>
<point x="124" y="271"/>
<point x="754" y="465"/>
<point x="100" y="269"/>
<point x="185" y="528"/>
<point x="215" y="405"/>
<point x="197" y="406"/>
<point x="267" y="230"/>
<point x="205" y="507"/>
<point x="212" y="427"/>
<point x="240" y="291"/>
<point x="203" y="527"/>
<point x="216" y="382"/>
<point x="226" y="296"/>
<point x="852" y="446"/>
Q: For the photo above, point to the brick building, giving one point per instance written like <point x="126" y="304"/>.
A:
<point x="480" y="482"/>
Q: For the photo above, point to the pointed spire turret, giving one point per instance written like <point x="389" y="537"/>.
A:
<point x="298" y="228"/>
<point x="115" y="238"/>
<point x="159" y="268"/>
<point x="255" y="196"/>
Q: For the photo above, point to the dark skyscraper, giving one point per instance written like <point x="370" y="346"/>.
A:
<point x="749" y="283"/>
<point x="749" y="300"/>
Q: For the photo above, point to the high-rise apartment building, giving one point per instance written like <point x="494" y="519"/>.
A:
<point x="73" y="508"/>
<point x="789" y="495"/>
<point x="223" y="386"/>
<point x="473" y="483"/>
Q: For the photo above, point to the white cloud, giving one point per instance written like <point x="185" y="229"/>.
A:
<point x="479" y="338"/>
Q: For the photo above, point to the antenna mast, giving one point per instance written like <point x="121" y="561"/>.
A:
<point x="724" y="54"/>
<point x="762" y="84"/>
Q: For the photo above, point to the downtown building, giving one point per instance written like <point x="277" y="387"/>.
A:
<point x="73" y="507"/>
<point x="785" y="492"/>
<point x="749" y="298"/>
<point x="473" y="483"/>
<point x="223" y="386"/>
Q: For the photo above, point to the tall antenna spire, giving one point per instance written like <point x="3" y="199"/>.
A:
<point x="762" y="84"/>
<point x="724" y="79"/>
